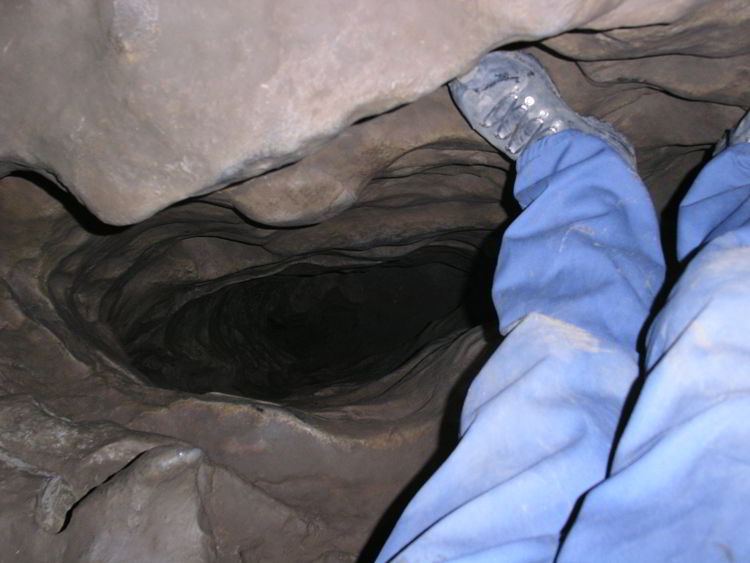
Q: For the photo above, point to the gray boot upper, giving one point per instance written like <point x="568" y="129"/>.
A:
<point x="511" y="101"/>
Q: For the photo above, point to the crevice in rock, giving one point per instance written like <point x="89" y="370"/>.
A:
<point x="199" y="300"/>
<point x="309" y="327"/>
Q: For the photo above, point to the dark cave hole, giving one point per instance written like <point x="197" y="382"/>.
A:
<point x="309" y="328"/>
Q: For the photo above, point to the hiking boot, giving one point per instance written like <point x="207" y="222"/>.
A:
<point x="511" y="101"/>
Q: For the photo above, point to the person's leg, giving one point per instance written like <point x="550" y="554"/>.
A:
<point x="679" y="489"/>
<point x="719" y="201"/>
<point x="576" y="276"/>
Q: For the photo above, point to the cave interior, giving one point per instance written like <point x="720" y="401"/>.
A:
<point x="257" y="350"/>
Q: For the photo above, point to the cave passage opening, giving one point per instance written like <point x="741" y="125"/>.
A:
<point x="309" y="328"/>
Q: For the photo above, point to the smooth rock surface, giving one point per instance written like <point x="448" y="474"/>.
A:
<point x="134" y="105"/>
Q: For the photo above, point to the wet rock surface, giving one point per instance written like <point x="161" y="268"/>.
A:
<point x="268" y="372"/>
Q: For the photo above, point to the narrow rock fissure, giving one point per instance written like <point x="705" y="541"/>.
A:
<point x="308" y="327"/>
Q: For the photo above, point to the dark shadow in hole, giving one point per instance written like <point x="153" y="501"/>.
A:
<point x="669" y="221"/>
<point x="367" y="118"/>
<point x="309" y="327"/>
<point x="480" y="280"/>
<point x="76" y="209"/>
<point x="478" y="293"/>
<point x="482" y="274"/>
<point x="508" y="201"/>
<point x="90" y="492"/>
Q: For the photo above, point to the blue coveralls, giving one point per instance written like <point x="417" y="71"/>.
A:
<point x="576" y="278"/>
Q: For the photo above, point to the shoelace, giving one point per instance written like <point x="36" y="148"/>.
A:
<point x="512" y="114"/>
